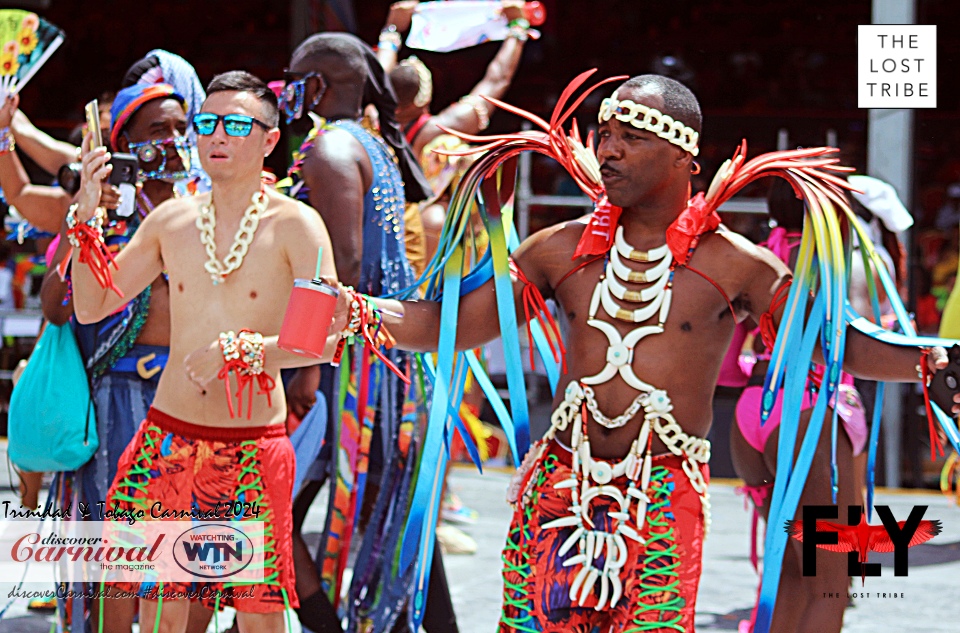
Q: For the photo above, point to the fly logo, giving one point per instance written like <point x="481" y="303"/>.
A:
<point x="858" y="538"/>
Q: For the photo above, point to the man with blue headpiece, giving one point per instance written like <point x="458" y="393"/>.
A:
<point x="163" y="67"/>
<point x="126" y="352"/>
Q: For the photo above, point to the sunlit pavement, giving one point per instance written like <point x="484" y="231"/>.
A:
<point x="931" y="592"/>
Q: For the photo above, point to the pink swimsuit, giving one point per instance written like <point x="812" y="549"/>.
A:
<point x="847" y="400"/>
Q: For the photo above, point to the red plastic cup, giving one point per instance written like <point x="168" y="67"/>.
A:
<point x="308" y="318"/>
<point x="535" y="13"/>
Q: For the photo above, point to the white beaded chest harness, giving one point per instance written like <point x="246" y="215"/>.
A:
<point x="590" y="478"/>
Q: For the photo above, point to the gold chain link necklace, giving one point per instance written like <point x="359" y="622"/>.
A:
<point x="207" y="222"/>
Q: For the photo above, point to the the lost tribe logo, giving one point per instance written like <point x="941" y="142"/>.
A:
<point x="897" y="66"/>
<point x="858" y="538"/>
<point x="213" y="551"/>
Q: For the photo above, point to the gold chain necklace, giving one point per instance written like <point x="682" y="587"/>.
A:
<point x="207" y="222"/>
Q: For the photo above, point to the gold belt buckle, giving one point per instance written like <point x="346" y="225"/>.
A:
<point x="142" y="370"/>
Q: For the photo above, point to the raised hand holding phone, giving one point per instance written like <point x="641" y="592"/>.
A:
<point x="95" y="168"/>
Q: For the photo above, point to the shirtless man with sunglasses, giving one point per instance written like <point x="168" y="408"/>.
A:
<point x="200" y="450"/>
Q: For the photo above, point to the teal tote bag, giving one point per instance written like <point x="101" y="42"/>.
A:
<point x="52" y="426"/>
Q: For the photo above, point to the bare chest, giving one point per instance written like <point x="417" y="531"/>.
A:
<point x="253" y="295"/>
<point x="620" y="360"/>
<point x="698" y="320"/>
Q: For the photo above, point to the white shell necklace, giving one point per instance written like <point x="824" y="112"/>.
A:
<point x="628" y="251"/>
<point x="207" y="222"/>
<point x="656" y="298"/>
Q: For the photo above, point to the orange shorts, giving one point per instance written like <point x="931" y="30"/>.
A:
<point x="186" y="467"/>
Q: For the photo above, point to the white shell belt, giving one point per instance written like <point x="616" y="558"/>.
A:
<point x="591" y="478"/>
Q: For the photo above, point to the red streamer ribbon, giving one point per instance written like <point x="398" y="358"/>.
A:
<point x="935" y="443"/>
<point x="95" y="254"/>
<point x="245" y="380"/>
<point x="534" y="303"/>
<point x="768" y="330"/>
<point x="235" y="366"/>
<point x="371" y="338"/>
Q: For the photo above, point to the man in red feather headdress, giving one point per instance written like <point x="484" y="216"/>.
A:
<point x="611" y="505"/>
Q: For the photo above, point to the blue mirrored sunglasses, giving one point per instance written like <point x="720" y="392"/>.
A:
<point x="205" y="123"/>
<point x="294" y="93"/>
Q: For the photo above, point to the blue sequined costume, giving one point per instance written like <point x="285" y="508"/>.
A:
<point x="384" y="270"/>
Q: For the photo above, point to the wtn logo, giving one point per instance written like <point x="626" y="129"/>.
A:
<point x="221" y="552"/>
<point x="859" y="538"/>
<point x="214" y="550"/>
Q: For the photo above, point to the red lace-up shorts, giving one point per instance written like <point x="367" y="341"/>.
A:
<point x="660" y="579"/>
<point x="184" y="466"/>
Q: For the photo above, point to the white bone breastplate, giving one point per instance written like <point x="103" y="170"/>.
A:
<point x="592" y="478"/>
<point x="651" y="300"/>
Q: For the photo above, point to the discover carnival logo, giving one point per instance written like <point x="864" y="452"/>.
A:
<point x="141" y="551"/>
<point x="54" y="548"/>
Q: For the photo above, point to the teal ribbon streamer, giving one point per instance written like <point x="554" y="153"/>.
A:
<point x="786" y="491"/>
<point x="427" y="487"/>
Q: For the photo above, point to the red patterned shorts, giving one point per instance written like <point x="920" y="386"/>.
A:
<point x="187" y="467"/>
<point x="660" y="579"/>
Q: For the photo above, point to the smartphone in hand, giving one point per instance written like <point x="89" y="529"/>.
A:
<point x="946" y="382"/>
<point x="126" y="168"/>
<point x="92" y="110"/>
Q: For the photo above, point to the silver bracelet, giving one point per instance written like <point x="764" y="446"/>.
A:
<point x="479" y="107"/>
<point x="7" y="141"/>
